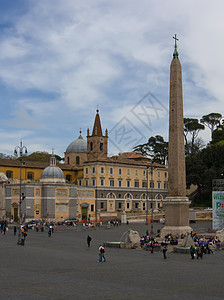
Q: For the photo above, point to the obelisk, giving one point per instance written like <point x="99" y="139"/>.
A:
<point x="176" y="204"/>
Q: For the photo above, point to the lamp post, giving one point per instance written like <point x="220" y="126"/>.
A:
<point x="22" y="151"/>
<point x="151" y="207"/>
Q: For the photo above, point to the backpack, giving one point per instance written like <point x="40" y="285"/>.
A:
<point x="102" y="250"/>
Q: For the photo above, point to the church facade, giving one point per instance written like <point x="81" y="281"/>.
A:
<point x="91" y="185"/>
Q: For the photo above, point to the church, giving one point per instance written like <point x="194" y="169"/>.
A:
<point x="88" y="186"/>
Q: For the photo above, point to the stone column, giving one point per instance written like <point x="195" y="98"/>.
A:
<point x="3" y="181"/>
<point x="176" y="204"/>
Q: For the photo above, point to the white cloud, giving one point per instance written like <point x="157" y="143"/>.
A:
<point x="83" y="53"/>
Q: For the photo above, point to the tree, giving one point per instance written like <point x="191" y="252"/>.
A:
<point x="211" y="120"/>
<point x="192" y="127"/>
<point x="218" y="135"/>
<point x="156" y="149"/>
<point x="5" y="156"/>
<point x="40" y="156"/>
<point x="202" y="168"/>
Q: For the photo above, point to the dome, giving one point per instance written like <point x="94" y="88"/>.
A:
<point x="52" y="172"/>
<point x="79" y="145"/>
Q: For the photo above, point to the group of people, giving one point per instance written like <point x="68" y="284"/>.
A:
<point x="101" y="250"/>
<point x="4" y="226"/>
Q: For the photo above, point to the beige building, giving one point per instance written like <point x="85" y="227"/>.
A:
<point x="127" y="182"/>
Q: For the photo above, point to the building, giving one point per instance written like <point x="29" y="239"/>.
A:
<point x="101" y="187"/>
<point x="51" y="199"/>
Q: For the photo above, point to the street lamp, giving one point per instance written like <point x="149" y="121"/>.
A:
<point x="22" y="151"/>
<point x="151" y="207"/>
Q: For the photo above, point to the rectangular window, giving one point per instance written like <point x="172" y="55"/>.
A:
<point x="111" y="171"/>
<point x="136" y="173"/>
<point x="151" y="174"/>
<point x="144" y="184"/>
<point x="80" y="181"/>
<point x="119" y="205"/>
<point x="165" y="174"/>
<point x="143" y="205"/>
<point x="119" y="171"/>
<point x="87" y="171"/>
<point x="111" y="182"/>
<point x="9" y="174"/>
<point x="136" y="204"/>
<point x="92" y="207"/>
<point x="165" y="185"/>
<point x="87" y="182"/>
<point x="93" y="170"/>
<point x="102" y="170"/>
<point x="151" y="184"/>
<point x="144" y="173"/>
<point x="30" y="176"/>
<point x="128" y="183"/>
<point x="128" y="172"/>
<point x="158" y="174"/>
<point x="119" y="182"/>
<point x="102" y="182"/>
<point x="128" y="205"/>
<point x="136" y="183"/>
<point x="159" y="184"/>
<point x="158" y="205"/>
<point x="93" y="182"/>
<point x="101" y="205"/>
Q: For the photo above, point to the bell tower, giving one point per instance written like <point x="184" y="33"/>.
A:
<point x="97" y="142"/>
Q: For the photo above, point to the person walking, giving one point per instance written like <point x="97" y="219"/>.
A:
<point x="164" y="252"/>
<point x="49" y="232"/>
<point x="88" y="240"/>
<point x="101" y="254"/>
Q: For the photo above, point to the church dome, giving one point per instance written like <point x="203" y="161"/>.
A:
<point x="52" y="173"/>
<point x="79" y="145"/>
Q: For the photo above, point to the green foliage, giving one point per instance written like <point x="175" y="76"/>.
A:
<point x="211" y="120"/>
<point x="192" y="127"/>
<point x="202" y="168"/>
<point x="5" y="156"/>
<point x="40" y="156"/>
<point x="156" y="149"/>
<point x="218" y="135"/>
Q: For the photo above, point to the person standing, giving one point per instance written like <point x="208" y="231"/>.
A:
<point x="164" y="252"/>
<point x="192" y="251"/>
<point x="15" y="230"/>
<point x="88" y="240"/>
<point x="199" y="252"/>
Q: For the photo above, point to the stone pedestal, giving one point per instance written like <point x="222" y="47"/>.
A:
<point x="176" y="216"/>
<point x="123" y="217"/>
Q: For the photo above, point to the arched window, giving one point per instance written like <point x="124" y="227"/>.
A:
<point x="101" y="147"/>
<point x="77" y="160"/>
<point x="68" y="160"/>
<point x="91" y="146"/>
<point x="111" y="196"/>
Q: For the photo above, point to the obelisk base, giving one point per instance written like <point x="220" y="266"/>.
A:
<point x="176" y="216"/>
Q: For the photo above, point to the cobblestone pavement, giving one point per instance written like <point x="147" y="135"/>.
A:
<point x="63" y="267"/>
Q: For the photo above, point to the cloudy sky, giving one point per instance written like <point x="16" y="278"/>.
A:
<point x="60" y="59"/>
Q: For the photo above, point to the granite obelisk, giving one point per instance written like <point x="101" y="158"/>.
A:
<point x="176" y="204"/>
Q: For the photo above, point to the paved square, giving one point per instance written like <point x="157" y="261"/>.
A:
<point x="63" y="267"/>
